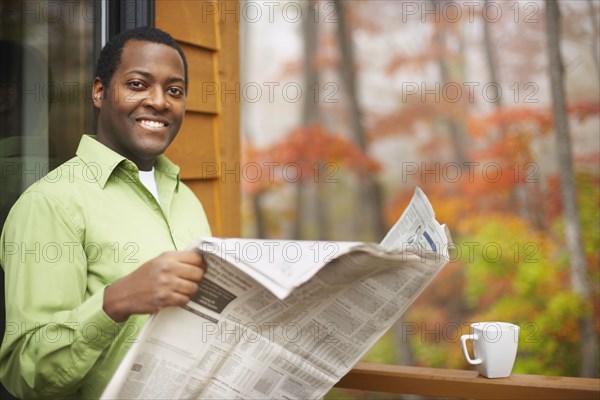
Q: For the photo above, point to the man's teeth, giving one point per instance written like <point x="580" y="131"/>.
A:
<point x="152" y="124"/>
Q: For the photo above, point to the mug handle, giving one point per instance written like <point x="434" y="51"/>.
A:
<point x="463" y="343"/>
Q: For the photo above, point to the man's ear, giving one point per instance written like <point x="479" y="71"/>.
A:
<point x="97" y="92"/>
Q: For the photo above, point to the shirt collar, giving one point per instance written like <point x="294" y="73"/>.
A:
<point x="106" y="161"/>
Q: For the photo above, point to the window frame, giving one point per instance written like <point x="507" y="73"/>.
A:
<point x="119" y="16"/>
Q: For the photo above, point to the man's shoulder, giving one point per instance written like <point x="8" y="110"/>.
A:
<point x="56" y="196"/>
<point x="62" y="184"/>
<point x="185" y="189"/>
<point x="71" y="173"/>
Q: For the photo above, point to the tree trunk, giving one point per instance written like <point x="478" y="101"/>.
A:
<point x="259" y="217"/>
<point x="455" y="126"/>
<point x="524" y="203"/>
<point x="579" y="278"/>
<point x="490" y="57"/>
<point x="312" y="114"/>
<point x="595" y="34"/>
<point x="322" y="214"/>
<point x="310" y="108"/>
<point x="298" y="227"/>
<point x="370" y="197"/>
<point x="370" y="193"/>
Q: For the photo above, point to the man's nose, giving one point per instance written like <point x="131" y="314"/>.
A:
<point x="156" y="99"/>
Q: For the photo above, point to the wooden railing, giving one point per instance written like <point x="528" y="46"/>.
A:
<point x="455" y="383"/>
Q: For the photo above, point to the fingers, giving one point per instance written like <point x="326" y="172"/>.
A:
<point x="191" y="257"/>
<point x="190" y="267"/>
<point x="167" y="299"/>
<point x="186" y="287"/>
<point x="172" y="291"/>
<point x="167" y="280"/>
<point x="179" y="274"/>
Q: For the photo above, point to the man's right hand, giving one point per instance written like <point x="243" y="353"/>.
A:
<point x="165" y="281"/>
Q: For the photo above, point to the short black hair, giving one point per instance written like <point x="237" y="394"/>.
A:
<point x="110" y="56"/>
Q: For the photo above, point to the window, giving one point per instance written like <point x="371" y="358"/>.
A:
<point x="49" y="50"/>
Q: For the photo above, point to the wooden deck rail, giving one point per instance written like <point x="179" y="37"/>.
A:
<point x="466" y="384"/>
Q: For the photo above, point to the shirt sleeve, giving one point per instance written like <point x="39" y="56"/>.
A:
<point x="55" y="330"/>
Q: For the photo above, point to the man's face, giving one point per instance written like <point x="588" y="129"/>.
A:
<point x="142" y="109"/>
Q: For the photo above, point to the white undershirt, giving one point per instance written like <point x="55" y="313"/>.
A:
<point x="148" y="180"/>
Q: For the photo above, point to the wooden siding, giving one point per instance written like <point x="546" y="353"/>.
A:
<point x="208" y="144"/>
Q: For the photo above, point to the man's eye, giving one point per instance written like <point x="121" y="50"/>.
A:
<point x="176" y="91"/>
<point x="135" y="85"/>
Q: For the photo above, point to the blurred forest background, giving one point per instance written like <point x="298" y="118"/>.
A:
<point x="349" y="105"/>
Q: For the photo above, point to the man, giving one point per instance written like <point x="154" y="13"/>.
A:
<point x="94" y="247"/>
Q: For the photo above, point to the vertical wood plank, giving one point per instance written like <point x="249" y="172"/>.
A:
<point x="189" y="21"/>
<point x="229" y="121"/>
<point x="210" y="134"/>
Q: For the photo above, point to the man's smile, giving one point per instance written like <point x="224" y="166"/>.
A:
<point x="152" y="123"/>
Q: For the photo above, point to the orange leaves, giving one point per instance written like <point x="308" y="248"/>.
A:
<point x="433" y="54"/>
<point x="256" y="172"/>
<point x="309" y="145"/>
<point x="514" y="121"/>
<point x="525" y="120"/>
<point x="506" y="150"/>
<point x="459" y="191"/>
<point x="584" y="109"/>
<point x="400" y="122"/>
<point x="300" y="156"/>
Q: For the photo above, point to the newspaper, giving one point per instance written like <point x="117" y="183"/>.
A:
<point x="283" y="319"/>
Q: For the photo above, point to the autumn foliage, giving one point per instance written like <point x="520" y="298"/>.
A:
<point x="510" y="262"/>
<point x="302" y="151"/>
<point x="487" y="167"/>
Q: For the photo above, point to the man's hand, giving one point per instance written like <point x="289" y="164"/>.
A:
<point x="165" y="281"/>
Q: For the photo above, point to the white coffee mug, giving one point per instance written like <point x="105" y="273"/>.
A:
<point x="495" y="347"/>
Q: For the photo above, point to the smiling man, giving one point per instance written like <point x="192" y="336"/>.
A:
<point x="98" y="244"/>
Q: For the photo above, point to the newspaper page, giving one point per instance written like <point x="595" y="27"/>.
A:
<point x="277" y="319"/>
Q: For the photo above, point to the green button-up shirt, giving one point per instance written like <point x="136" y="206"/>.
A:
<point x="86" y="224"/>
